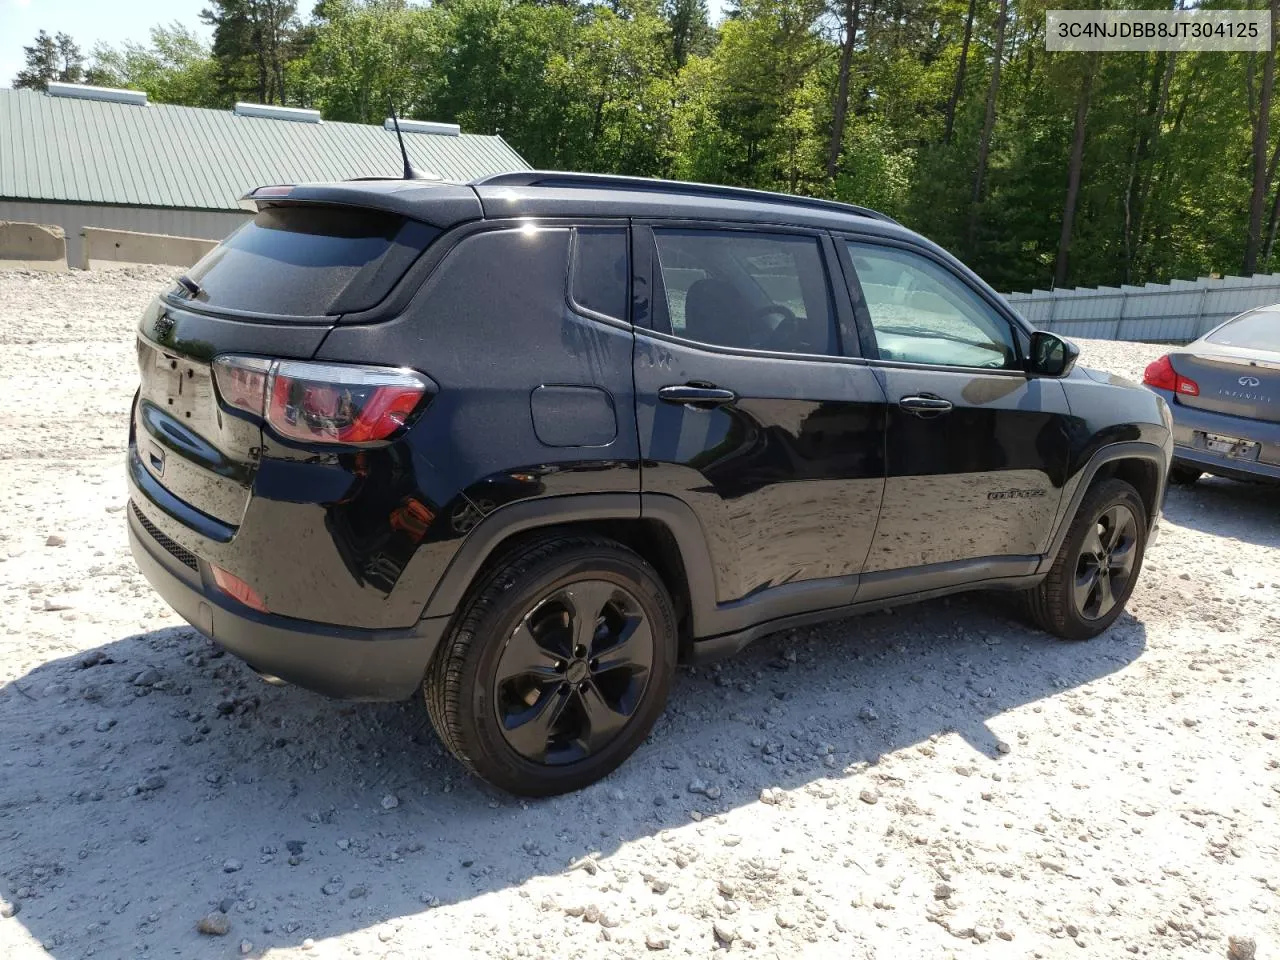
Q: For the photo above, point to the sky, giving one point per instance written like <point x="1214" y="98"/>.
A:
<point x="87" y="21"/>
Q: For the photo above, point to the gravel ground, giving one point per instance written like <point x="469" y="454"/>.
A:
<point x="939" y="781"/>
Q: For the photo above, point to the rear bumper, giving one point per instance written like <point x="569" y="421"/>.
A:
<point x="1188" y="422"/>
<point x="344" y="662"/>
<point x="1222" y="466"/>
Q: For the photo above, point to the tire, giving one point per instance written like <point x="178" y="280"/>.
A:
<point x="491" y="712"/>
<point x="1183" y="476"/>
<point x="1054" y="605"/>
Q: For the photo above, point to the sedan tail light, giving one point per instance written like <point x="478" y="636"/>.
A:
<point x="322" y="402"/>
<point x="1160" y="373"/>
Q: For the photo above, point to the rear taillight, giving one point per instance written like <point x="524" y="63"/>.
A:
<point x="328" y="403"/>
<point x="321" y="402"/>
<point x="242" y="381"/>
<point x="1160" y="373"/>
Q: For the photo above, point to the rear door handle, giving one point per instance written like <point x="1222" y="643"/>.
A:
<point x="696" y="395"/>
<point x="925" y="406"/>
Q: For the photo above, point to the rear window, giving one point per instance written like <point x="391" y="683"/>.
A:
<point x="1259" y="329"/>
<point x="309" y="261"/>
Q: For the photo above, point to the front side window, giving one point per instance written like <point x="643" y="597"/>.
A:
<point x="922" y="313"/>
<point x="747" y="290"/>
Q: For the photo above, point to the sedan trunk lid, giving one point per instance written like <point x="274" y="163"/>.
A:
<point x="1237" y="381"/>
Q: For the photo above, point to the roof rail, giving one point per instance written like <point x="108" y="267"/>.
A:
<point x="604" y="181"/>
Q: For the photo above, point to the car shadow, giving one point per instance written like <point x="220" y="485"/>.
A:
<point x="153" y="779"/>
<point x="1228" y="508"/>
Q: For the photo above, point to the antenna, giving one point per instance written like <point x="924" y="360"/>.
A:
<point x="410" y="171"/>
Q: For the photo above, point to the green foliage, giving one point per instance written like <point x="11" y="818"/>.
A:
<point x="688" y="29"/>
<point x="649" y="87"/>
<point x="876" y="171"/>
<point x="253" y="42"/>
<point x="363" y="58"/>
<point x="48" y="59"/>
<point x="175" y="67"/>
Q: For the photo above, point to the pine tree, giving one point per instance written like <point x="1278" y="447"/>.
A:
<point x="253" y="42"/>
<point x="49" y="59"/>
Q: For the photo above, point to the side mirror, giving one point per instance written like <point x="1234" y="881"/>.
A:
<point x="1051" y="356"/>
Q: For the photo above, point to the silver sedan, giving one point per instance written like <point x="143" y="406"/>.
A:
<point x="1224" y="391"/>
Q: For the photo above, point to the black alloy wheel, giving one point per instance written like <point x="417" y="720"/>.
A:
<point x="1105" y="564"/>
<point x="1096" y="566"/>
<point x="557" y="665"/>
<point x="573" y="673"/>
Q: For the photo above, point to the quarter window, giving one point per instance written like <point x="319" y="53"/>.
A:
<point x="599" y="283"/>
<point x="922" y="313"/>
<point x="747" y="290"/>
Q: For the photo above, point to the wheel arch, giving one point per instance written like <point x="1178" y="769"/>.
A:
<point x="1141" y="473"/>
<point x="661" y="529"/>
<point x="1144" y="466"/>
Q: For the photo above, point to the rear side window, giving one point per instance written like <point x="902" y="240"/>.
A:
<point x="1259" y="329"/>
<point x="309" y="261"/>
<point x="598" y="281"/>
<point x="749" y="290"/>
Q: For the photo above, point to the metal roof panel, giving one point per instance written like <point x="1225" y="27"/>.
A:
<point x="92" y="151"/>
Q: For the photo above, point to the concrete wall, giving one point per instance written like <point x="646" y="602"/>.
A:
<point x="104" y="249"/>
<point x="74" y="217"/>
<point x="32" y="246"/>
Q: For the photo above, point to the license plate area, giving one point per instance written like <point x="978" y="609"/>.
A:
<point x="1232" y="447"/>
<point x="182" y="388"/>
<point x="204" y="459"/>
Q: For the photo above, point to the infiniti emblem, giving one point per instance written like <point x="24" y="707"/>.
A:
<point x="1249" y="381"/>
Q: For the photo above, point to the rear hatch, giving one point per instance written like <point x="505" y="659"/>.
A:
<point x="273" y="289"/>
<point x="1236" y="382"/>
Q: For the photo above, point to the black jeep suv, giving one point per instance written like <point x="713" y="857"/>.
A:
<point x="524" y="444"/>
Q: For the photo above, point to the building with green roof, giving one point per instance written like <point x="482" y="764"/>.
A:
<point x="81" y="156"/>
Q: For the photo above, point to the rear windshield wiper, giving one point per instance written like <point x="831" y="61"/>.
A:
<point x="190" y="285"/>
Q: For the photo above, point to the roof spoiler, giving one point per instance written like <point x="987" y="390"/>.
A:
<point x="441" y="203"/>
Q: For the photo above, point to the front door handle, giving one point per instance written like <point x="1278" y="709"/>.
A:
<point x="696" y="395"/>
<point x="925" y="406"/>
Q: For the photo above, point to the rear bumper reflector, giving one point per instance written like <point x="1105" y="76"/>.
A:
<point x="233" y="586"/>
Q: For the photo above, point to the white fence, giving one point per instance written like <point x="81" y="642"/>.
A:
<point x="1174" y="312"/>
